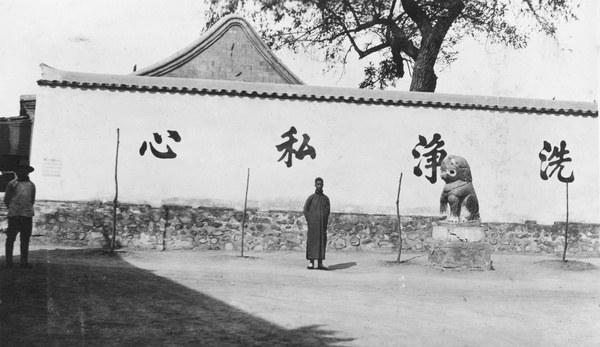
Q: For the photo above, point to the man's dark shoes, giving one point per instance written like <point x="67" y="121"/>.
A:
<point x="323" y="268"/>
<point x="311" y="266"/>
<point x="26" y="266"/>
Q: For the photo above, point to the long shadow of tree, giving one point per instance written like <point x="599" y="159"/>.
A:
<point x="84" y="297"/>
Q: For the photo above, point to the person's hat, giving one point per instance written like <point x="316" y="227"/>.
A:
<point x="24" y="163"/>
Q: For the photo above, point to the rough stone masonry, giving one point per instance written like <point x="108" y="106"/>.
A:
<point x="182" y="227"/>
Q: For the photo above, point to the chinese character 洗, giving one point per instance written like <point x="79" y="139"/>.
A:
<point x="556" y="160"/>
<point x="288" y="147"/>
<point x="432" y="152"/>
<point x="168" y="154"/>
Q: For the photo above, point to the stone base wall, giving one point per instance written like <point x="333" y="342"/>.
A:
<point x="181" y="227"/>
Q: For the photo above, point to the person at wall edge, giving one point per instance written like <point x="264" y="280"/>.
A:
<point x="19" y="199"/>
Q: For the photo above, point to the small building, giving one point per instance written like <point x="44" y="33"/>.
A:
<point x="15" y="139"/>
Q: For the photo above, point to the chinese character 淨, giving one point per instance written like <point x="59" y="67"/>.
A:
<point x="556" y="161"/>
<point x="288" y="150"/>
<point x="432" y="152"/>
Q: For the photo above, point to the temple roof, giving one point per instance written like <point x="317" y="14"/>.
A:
<point x="230" y="50"/>
<point x="57" y="78"/>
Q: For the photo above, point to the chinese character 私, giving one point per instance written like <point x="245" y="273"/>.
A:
<point x="288" y="150"/>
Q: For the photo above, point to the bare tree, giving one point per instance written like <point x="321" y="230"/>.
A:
<point x="402" y="35"/>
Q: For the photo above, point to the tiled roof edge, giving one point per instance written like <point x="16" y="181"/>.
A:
<point x="57" y="78"/>
<point x="15" y="120"/>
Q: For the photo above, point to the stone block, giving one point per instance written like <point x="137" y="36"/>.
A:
<point x="469" y="232"/>
<point x="461" y="255"/>
<point x="340" y="243"/>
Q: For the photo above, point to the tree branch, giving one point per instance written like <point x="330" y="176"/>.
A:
<point x="351" y="9"/>
<point x="455" y="8"/>
<point x="348" y="32"/>
<point x="403" y="42"/>
<point x="546" y="26"/>
<point x="374" y="49"/>
<point x="392" y="10"/>
<point x="416" y="13"/>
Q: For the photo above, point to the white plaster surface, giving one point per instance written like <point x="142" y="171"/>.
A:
<point x="361" y="151"/>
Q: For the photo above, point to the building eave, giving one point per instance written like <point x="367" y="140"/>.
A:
<point x="52" y="77"/>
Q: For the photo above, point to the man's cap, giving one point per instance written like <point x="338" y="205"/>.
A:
<point x="24" y="164"/>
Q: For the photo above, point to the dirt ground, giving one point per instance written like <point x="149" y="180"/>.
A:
<point x="217" y="298"/>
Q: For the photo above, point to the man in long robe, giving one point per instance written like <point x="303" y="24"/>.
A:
<point x="19" y="199"/>
<point x="316" y="212"/>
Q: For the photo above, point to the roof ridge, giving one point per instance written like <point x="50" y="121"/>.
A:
<point x="208" y="38"/>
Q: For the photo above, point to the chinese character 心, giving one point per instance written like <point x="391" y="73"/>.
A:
<point x="557" y="159"/>
<point x="169" y="154"/>
<point x="288" y="149"/>
<point x="434" y="154"/>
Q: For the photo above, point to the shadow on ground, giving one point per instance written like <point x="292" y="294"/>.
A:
<point x="341" y="266"/>
<point x="87" y="297"/>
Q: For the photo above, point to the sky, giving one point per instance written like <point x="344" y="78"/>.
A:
<point x="108" y="36"/>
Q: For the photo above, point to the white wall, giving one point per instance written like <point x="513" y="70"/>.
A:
<point x="361" y="151"/>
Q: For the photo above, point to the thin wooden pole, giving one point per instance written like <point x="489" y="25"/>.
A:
<point x="164" y="235"/>
<point x="115" y="201"/>
<point x="566" y="227"/>
<point x="399" y="224"/>
<point x="245" y="204"/>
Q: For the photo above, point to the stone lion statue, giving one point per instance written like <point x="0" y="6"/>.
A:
<point x="458" y="192"/>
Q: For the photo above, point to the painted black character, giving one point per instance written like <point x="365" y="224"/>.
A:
<point x="288" y="147"/>
<point x="432" y="152"/>
<point x="169" y="154"/>
<point x="556" y="161"/>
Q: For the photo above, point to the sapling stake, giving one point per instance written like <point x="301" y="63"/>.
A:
<point x="115" y="201"/>
<point x="245" y="204"/>
<point x="164" y="235"/>
<point x="566" y="227"/>
<point x="399" y="224"/>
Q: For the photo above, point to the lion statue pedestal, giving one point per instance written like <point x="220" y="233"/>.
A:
<point x="458" y="240"/>
<point x="458" y="255"/>
<point x="465" y="232"/>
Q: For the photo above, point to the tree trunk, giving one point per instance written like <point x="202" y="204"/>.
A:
<point x="424" y="78"/>
<point x="433" y="32"/>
